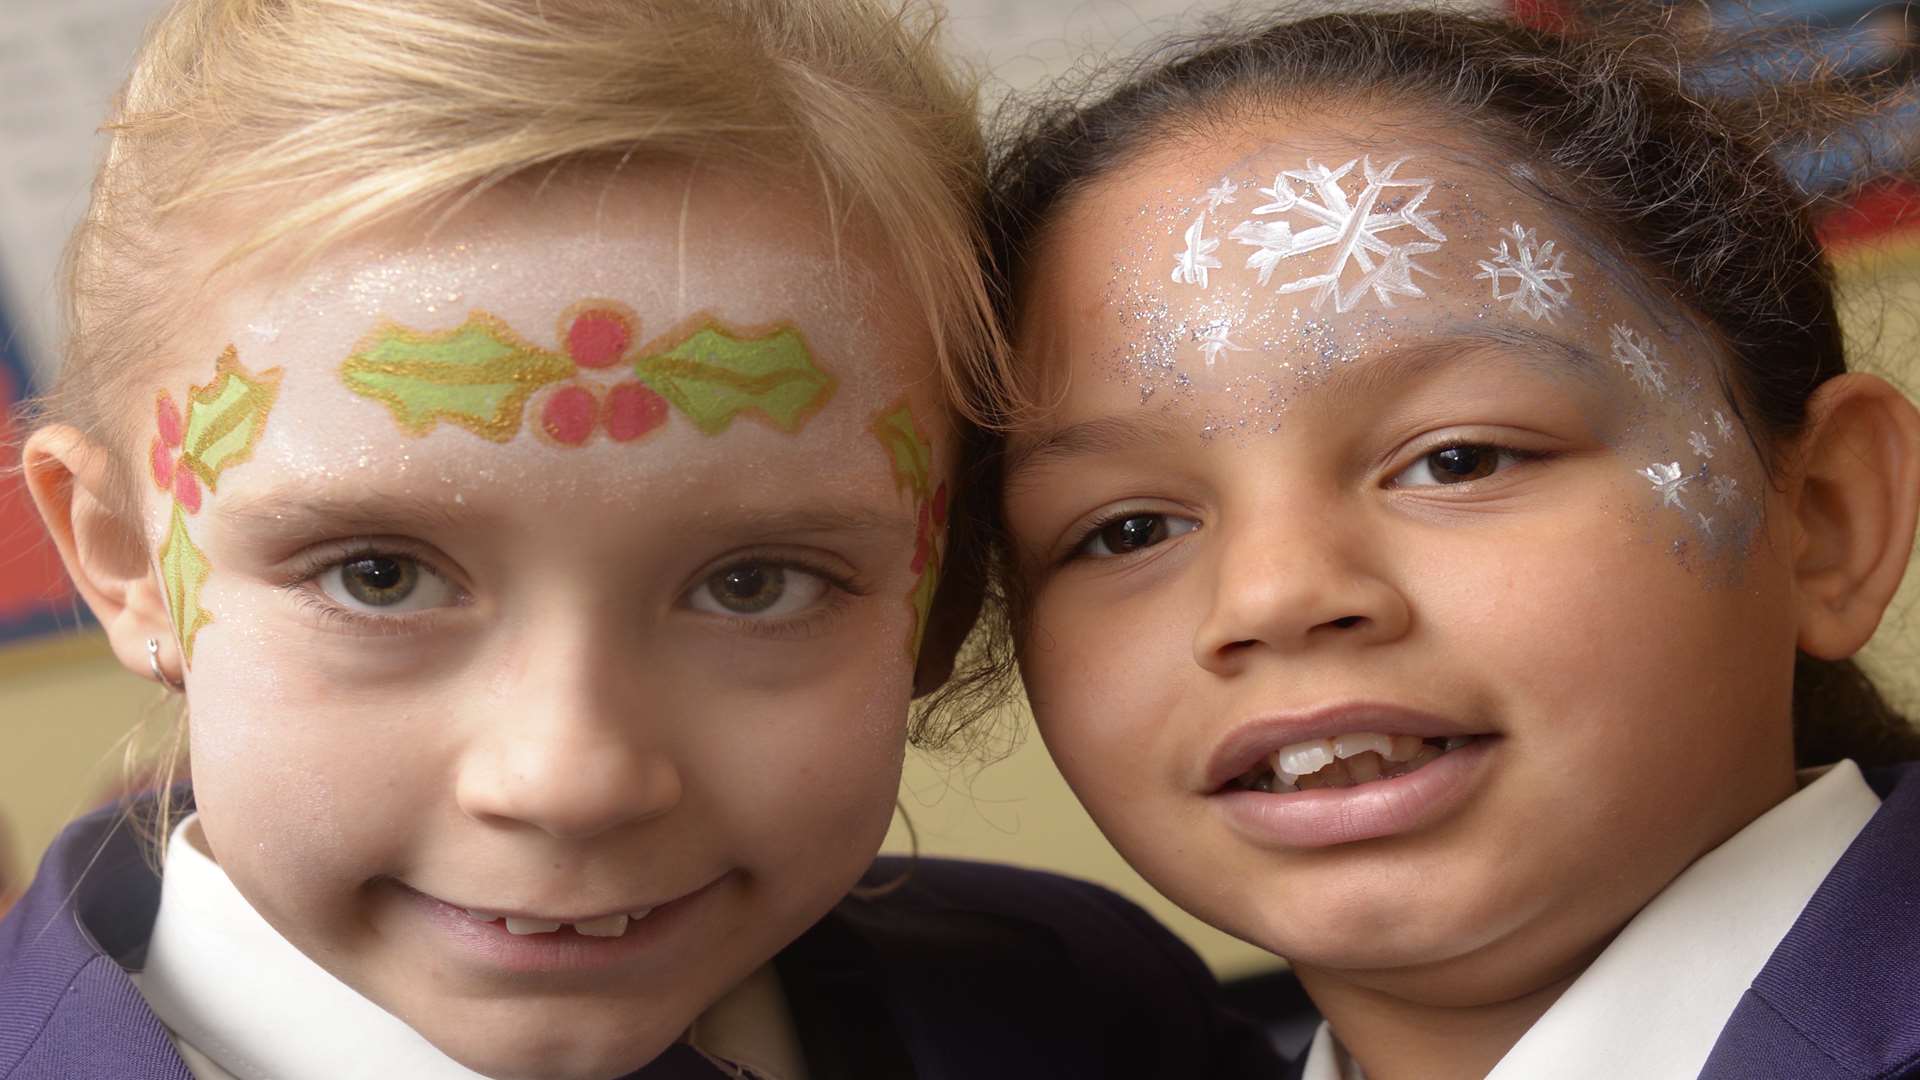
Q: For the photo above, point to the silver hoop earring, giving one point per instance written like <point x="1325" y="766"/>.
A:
<point x="159" y="675"/>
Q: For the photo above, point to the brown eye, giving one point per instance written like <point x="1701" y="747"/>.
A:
<point x="757" y="589"/>
<point x="1458" y="464"/>
<point x="1133" y="533"/>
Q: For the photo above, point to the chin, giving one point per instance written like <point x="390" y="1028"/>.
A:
<point x="543" y="1049"/>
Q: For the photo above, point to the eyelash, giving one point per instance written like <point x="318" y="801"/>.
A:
<point x="1514" y="455"/>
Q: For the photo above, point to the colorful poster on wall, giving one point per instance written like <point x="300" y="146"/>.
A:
<point x="35" y="596"/>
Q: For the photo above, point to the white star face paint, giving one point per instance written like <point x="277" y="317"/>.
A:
<point x="1475" y="518"/>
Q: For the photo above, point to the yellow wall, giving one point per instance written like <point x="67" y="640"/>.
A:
<point x="63" y="708"/>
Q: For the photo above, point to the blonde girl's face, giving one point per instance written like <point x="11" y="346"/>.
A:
<point x="1403" y="595"/>
<point x="563" y="567"/>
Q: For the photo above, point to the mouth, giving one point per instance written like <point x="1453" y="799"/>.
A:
<point x="600" y="926"/>
<point x="1346" y="760"/>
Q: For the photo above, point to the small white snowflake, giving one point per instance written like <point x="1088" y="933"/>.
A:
<point x="1220" y="194"/>
<point x="1725" y="490"/>
<point x="1723" y="426"/>
<point x="1635" y="353"/>
<point x="1700" y="444"/>
<point x="1191" y="265"/>
<point x="1351" y="228"/>
<point x="1538" y="280"/>
<point x="1214" y="341"/>
<point x="1706" y="525"/>
<point x="1668" y="480"/>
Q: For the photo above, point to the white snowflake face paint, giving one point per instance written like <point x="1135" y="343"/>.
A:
<point x="1275" y="516"/>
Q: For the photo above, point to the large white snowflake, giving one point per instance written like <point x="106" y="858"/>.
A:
<point x="1351" y="228"/>
<point x="1668" y="480"/>
<point x="1635" y="353"/>
<point x="1539" y="287"/>
<point x="1191" y="265"/>
<point x="1213" y="341"/>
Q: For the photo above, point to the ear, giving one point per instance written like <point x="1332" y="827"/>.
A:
<point x="1853" y="499"/>
<point x="70" y="478"/>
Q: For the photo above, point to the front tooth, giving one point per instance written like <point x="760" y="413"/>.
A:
<point x="1302" y="758"/>
<point x="605" y="926"/>
<point x="480" y="916"/>
<point x="1364" y="767"/>
<point x="636" y="916"/>
<point x="1403" y="747"/>
<point x="1346" y="746"/>
<point x="530" y="926"/>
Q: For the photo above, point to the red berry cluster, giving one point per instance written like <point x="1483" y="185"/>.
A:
<point x="933" y="517"/>
<point x="169" y="471"/>
<point x="597" y="339"/>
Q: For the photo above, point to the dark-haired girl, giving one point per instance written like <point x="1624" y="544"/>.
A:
<point x="1440" y="518"/>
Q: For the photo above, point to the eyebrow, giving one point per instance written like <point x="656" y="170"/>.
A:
<point x="1137" y="431"/>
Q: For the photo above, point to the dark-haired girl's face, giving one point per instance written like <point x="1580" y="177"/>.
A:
<point x="1403" y="593"/>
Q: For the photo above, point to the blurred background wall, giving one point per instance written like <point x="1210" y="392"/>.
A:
<point x="66" y="709"/>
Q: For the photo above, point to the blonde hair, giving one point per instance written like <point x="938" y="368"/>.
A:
<point x="339" y="114"/>
<point x="335" y="115"/>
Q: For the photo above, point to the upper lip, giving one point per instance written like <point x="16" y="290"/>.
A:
<point x="1253" y="741"/>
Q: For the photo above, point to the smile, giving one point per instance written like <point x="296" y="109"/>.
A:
<point x="1345" y="761"/>
<point x="604" y="926"/>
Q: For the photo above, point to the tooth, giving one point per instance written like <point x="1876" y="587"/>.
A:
<point x="605" y="926"/>
<point x="530" y="926"/>
<point x="636" y="916"/>
<point x="1426" y="754"/>
<point x="1458" y="741"/>
<point x="1364" y="767"/>
<point x="1302" y="758"/>
<point x="480" y="916"/>
<point x="1403" y="747"/>
<point x="1346" y="746"/>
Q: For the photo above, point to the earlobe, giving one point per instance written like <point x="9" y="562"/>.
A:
<point x="1854" y="499"/>
<point x="71" y="480"/>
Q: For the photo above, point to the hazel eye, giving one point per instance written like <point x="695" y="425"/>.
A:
<point x="1456" y="465"/>
<point x="761" y="590"/>
<point x="1134" y="532"/>
<point x="381" y="584"/>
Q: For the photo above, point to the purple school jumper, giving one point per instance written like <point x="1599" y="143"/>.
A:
<point x="969" y="971"/>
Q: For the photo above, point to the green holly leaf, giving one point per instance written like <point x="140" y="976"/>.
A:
<point x="478" y="376"/>
<point x="226" y="418"/>
<point x="907" y="450"/>
<point x="713" y="376"/>
<point x="183" y="570"/>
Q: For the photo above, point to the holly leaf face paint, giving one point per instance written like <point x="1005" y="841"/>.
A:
<point x="183" y="571"/>
<point x="478" y="376"/>
<point x="911" y="456"/>
<point x="713" y="376"/>
<point x="226" y="418"/>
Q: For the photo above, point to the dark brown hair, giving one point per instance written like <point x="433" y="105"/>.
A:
<point x="1688" y="191"/>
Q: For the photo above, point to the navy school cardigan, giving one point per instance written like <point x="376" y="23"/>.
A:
<point x="968" y="971"/>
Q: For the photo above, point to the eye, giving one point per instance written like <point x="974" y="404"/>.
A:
<point x="763" y="590"/>
<point x="382" y="584"/>
<point x="1133" y="532"/>
<point x="1458" y="464"/>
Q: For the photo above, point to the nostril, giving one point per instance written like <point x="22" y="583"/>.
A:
<point x="1348" y="622"/>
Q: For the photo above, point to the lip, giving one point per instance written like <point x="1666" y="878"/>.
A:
<point x="491" y="945"/>
<point x="1324" y="817"/>
<point x="1249" y="743"/>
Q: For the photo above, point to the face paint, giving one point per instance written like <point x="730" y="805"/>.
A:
<point x="223" y="424"/>
<point x="481" y="376"/>
<point x="911" y="456"/>
<point x="1539" y="288"/>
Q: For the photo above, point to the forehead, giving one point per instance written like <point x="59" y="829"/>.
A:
<point x="1255" y="267"/>
<point x="674" y="252"/>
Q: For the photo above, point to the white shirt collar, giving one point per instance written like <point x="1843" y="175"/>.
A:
<point x="1649" y="1006"/>
<point x="243" y="1003"/>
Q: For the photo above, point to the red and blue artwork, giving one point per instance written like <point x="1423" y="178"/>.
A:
<point x="35" y="596"/>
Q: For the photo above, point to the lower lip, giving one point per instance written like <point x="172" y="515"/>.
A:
<point x="564" y="950"/>
<point x="1324" y="817"/>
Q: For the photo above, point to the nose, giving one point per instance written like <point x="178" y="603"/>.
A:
<point x="1295" y="582"/>
<point x="565" y="748"/>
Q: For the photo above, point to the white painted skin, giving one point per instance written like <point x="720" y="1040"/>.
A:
<point x="560" y="722"/>
<point x="1301" y="554"/>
